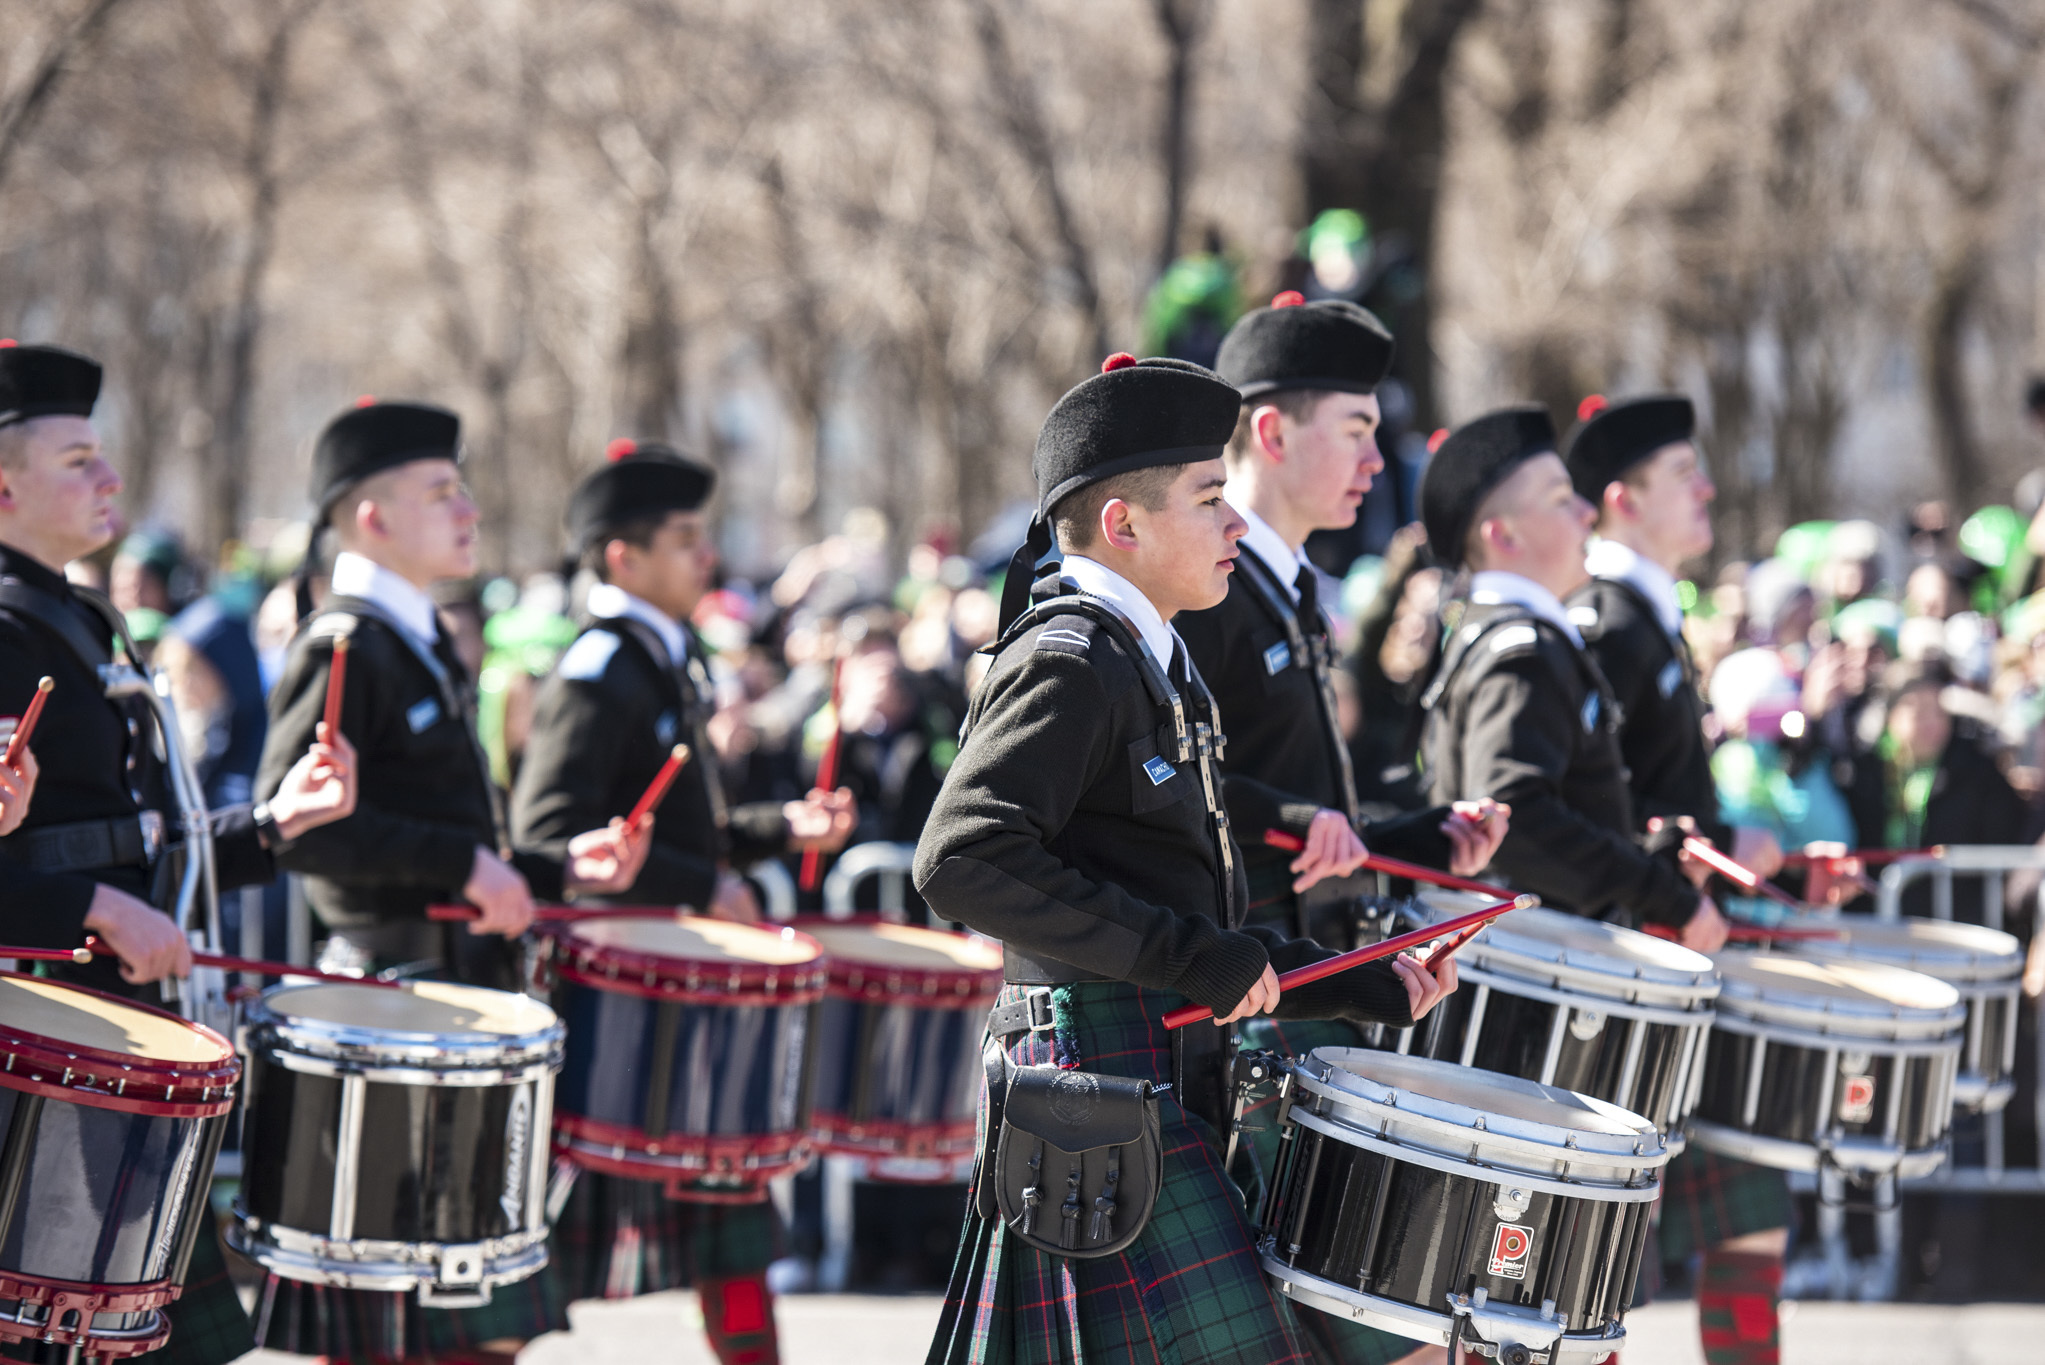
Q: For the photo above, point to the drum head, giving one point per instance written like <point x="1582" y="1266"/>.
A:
<point x="904" y="946"/>
<point x="694" y="938"/>
<point x="1957" y="953"/>
<point x="1847" y="991"/>
<point x="439" y="1009"/>
<point x="1425" y="1084"/>
<point x="80" y="1018"/>
<point x="1540" y="942"/>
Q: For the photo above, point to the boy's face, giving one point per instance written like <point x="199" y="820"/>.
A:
<point x="1672" y="497"/>
<point x="1545" y="526"/>
<point x="1186" y="549"/>
<point x="1331" y="458"/>
<point x="421" y="523"/>
<point x="674" y="569"/>
<point x="57" y="496"/>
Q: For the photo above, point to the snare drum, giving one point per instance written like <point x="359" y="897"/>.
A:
<point x="1984" y="965"/>
<point x="113" y="1113"/>
<point x="686" y="1041"/>
<point x="895" y="1071"/>
<point x="395" y="1139"/>
<point x="1434" y="1201"/>
<point x="1849" y="1064"/>
<point x="1579" y="1004"/>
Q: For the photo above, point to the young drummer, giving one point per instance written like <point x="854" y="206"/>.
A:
<point x="1082" y="825"/>
<point x="428" y="826"/>
<point x="90" y="827"/>
<point x="1303" y="456"/>
<point x="1518" y="711"/>
<point x="1636" y="462"/>
<point x="633" y="683"/>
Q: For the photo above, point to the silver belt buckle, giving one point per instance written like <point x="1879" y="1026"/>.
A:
<point x="152" y="835"/>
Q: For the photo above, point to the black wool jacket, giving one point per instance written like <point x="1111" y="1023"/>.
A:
<point x="1069" y="828"/>
<point x="1520" y="714"/>
<point x="426" y="800"/>
<point x="1661" y="729"/>
<point x="603" y="724"/>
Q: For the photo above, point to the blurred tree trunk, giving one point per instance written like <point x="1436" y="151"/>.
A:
<point x="1373" y="140"/>
<point x="1183" y="24"/>
<point x="69" y="48"/>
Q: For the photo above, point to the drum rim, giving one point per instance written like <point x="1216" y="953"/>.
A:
<point x="331" y="1040"/>
<point x="1503" y="939"/>
<point x="1777" y="999"/>
<point x="1723" y="1139"/>
<point x="858" y="979"/>
<point x="661" y="976"/>
<point x="1965" y="967"/>
<point x="191" y="1089"/>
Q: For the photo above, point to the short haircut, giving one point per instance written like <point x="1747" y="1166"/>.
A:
<point x="13" y="445"/>
<point x="1492" y="504"/>
<point x="1297" y="404"/>
<point x="638" y="531"/>
<point x="1077" y="517"/>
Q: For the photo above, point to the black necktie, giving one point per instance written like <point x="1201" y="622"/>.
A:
<point x="1308" y="586"/>
<point x="450" y="658"/>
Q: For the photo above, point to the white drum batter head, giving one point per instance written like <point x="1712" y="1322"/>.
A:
<point x="441" y="1009"/>
<point x="905" y="946"/>
<point x="1853" y="999"/>
<point x="65" y="1014"/>
<point x="694" y="938"/>
<point x="1962" y="954"/>
<point x="1582" y="955"/>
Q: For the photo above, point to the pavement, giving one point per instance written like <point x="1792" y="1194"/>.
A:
<point x="858" y="1329"/>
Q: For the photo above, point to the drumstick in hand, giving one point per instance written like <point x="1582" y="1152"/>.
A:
<point x="1394" y="867"/>
<point x="1703" y="852"/>
<point x="1356" y="957"/>
<point x="337" y="683"/>
<point x="827" y="768"/>
<point x="556" y="914"/>
<point x="1750" y="933"/>
<point x="18" y="741"/>
<point x="96" y="948"/>
<point x="1862" y="855"/>
<point x="656" y="790"/>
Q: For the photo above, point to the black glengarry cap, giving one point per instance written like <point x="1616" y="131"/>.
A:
<point x="45" y="381"/>
<point x="641" y="479"/>
<point x="1610" y="438"/>
<point x="1474" y="459"/>
<point x="372" y="437"/>
<point x="1330" y="344"/>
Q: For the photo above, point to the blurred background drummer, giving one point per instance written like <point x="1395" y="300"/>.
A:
<point x="634" y="683"/>
<point x="90" y="855"/>
<point x="1636" y="463"/>
<point x="429" y="826"/>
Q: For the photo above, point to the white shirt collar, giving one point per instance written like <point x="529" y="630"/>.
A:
<point x="357" y="576"/>
<point x="1610" y="559"/>
<point x="610" y="602"/>
<point x="1096" y="579"/>
<point x="1494" y="587"/>
<point x="1265" y="542"/>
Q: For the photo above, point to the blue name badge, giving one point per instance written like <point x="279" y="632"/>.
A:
<point x="1277" y="657"/>
<point x="1159" y="771"/>
<point x="1590" y="713"/>
<point x="1669" y="678"/>
<point x="421" y="714"/>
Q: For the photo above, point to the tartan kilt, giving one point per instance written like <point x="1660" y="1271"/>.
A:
<point x="364" y="1325"/>
<point x="208" y="1325"/>
<point x="618" y="1237"/>
<point x="1708" y="1199"/>
<point x="1187" y="1291"/>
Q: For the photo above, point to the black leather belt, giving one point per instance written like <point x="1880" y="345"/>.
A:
<point x="1031" y="1014"/>
<point x="89" y="845"/>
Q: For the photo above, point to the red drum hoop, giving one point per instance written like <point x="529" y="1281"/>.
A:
<point x="856" y="978"/>
<point x="687" y="980"/>
<point x="38" y="1064"/>
<point x="680" y="1160"/>
<point x="892" y="1138"/>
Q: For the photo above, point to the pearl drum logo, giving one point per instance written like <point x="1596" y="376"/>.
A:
<point x="1509" y="1248"/>
<point x="1857" y="1099"/>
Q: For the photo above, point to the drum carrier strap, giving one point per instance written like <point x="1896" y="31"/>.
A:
<point x="1314" y="652"/>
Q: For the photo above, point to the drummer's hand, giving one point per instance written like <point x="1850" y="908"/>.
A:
<point x="1475" y="830"/>
<point x="1425" y="985"/>
<point x="1332" y="850"/>
<point x="498" y="890"/>
<point x="17" y="789"/>
<point x="735" y="900"/>
<point x="1757" y="851"/>
<point x="149" y="946"/>
<point x="822" y="820"/>
<point x="1262" y="999"/>
<point x="607" y="861"/>
<point x="319" y="789"/>
<point x="1706" y="931"/>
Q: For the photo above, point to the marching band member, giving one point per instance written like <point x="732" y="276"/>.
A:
<point x="17" y="789"/>
<point x="1302" y="457"/>
<point x="429" y="825"/>
<point x="633" y="683"/>
<point x="1636" y="463"/>
<point x="1082" y="824"/>
<point x="90" y="853"/>
<point x="1518" y="711"/>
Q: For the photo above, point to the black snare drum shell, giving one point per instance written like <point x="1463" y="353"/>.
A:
<point x="1794" y="1078"/>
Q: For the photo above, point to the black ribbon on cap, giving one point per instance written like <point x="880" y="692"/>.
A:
<point x="1022" y="573"/>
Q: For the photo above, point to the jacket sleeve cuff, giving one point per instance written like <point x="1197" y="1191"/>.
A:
<point x="1370" y="994"/>
<point x="1223" y="972"/>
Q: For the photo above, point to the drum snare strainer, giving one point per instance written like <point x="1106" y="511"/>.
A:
<point x="1459" y="1206"/>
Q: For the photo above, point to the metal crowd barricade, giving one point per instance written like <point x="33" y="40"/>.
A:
<point x="891" y="863"/>
<point x="777" y="889"/>
<point x="1834" y="1270"/>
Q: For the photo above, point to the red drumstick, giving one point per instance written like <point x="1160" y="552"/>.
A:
<point x="95" y="948"/>
<point x="1342" y="962"/>
<point x="555" y="914"/>
<point x="337" y="684"/>
<point x="827" y="768"/>
<point x="18" y="741"/>
<point x="1704" y="853"/>
<point x="657" y="789"/>
<point x="1862" y="855"/>
<point x="1750" y="933"/>
<point x="1394" y="867"/>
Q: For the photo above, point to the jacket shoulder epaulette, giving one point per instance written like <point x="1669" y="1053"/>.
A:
<point x="1071" y="632"/>
<point x="589" y="658"/>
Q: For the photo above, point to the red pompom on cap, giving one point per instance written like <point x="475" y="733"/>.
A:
<point x="620" y="448"/>
<point x="1290" y="298"/>
<point x="367" y="400"/>
<point x="1591" y="407"/>
<point x="7" y="342"/>
<point x="1434" y="442"/>
<point x="1120" y="360"/>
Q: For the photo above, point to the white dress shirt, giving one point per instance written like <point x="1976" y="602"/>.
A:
<point x="1096" y="579"/>
<point x="357" y="576"/>
<point x="1284" y="561"/>
<point x="608" y="601"/>
<point x="1495" y="587"/>
<point x="1610" y="559"/>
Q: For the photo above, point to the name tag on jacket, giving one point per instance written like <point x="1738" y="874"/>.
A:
<point x="423" y="713"/>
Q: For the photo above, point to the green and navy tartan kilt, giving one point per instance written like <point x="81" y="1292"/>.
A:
<point x="363" y="1325"/>
<point x="1708" y="1199"/>
<point x="1187" y="1291"/>
<point x="617" y="1238"/>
